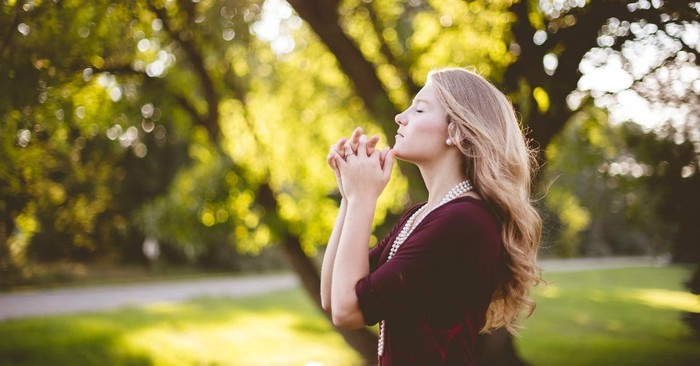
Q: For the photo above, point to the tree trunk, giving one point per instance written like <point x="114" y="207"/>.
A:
<point x="362" y="340"/>
<point x="322" y="17"/>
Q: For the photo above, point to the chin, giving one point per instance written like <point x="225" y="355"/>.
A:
<point x="397" y="151"/>
<point x="399" y="155"/>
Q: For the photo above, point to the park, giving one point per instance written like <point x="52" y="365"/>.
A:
<point x="156" y="142"/>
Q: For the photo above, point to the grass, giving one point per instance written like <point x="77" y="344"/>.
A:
<point x="612" y="317"/>
<point x="605" y="317"/>
<point x="277" y="329"/>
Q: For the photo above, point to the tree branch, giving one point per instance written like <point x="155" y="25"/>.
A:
<point x="400" y="67"/>
<point x="211" y="120"/>
<point x="323" y="18"/>
<point x="11" y="25"/>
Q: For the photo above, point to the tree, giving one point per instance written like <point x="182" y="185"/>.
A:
<point x="247" y="75"/>
<point x="139" y="81"/>
<point x="71" y="134"/>
<point x="600" y="176"/>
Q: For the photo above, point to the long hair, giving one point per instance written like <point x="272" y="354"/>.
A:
<point x="499" y="162"/>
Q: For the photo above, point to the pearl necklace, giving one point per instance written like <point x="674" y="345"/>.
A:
<point x="456" y="191"/>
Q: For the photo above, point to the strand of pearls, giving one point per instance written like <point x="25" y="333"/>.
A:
<point x="456" y="191"/>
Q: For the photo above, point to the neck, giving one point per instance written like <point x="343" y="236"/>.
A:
<point x="439" y="179"/>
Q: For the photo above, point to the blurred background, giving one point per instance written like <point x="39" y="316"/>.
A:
<point x="168" y="138"/>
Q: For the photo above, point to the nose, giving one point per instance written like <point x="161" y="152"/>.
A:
<point x="400" y="119"/>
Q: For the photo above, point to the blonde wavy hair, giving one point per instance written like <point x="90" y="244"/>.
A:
<point x="499" y="162"/>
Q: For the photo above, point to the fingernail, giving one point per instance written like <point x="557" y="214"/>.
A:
<point x="363" y="138"/>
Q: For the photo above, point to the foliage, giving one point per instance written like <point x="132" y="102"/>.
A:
<point x="673" y="155"/>
<point x="108" y="104"/>
<point x="83" y="151"/>
<point x="599" y="189"/>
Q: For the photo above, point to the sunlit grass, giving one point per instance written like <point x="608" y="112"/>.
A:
<point x="619" y="317"/>
<point x="278" y="329"/>
<point x="612" y="317"/>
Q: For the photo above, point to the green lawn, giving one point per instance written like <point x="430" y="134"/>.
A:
<point x="606" y="317"/>
<point x="278" y="329"/>
<point x="612" y="317"/>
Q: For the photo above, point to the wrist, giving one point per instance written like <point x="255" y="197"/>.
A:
<point x="361" y="203"/>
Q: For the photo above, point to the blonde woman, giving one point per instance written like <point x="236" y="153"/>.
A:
<point x="457" y="265"/>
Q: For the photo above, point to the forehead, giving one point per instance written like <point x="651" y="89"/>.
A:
<point x="426" y="94"/>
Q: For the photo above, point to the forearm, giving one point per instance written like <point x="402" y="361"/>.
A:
<point x="329" y="256"/>
<point x="351" y="263"/>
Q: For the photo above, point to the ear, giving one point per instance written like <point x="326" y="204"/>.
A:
<point x="453" y="134"/>
<point x="452" y="131"/>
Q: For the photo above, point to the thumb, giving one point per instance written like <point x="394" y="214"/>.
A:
<point x="388" y="163"/>
<point x="330" y="159"/>
<point x="382" y="156"/>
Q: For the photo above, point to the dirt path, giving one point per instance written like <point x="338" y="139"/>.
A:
<point x="96" y="298"/>
<point x="582" y="264"/>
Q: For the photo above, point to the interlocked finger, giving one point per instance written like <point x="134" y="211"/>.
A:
<point x="348" y="151"/>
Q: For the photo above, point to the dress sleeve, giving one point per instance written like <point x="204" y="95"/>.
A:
<point x="376" y="252"/>
<point x="452" y="239"/>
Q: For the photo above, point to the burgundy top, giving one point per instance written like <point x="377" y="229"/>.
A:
<point x="434" y="293"/>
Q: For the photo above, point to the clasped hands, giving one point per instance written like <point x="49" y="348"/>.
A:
<point x="361" y="171"/>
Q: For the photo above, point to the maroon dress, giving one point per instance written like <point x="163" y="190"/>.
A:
<point x="434" y="292"/>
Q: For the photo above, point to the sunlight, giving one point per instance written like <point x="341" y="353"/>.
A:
<point x="276" y="25"/>
<point x="238" y="337"/>
<point x="582" y="318"/>
<point x="598" y="296"/>
<point x="659" y="298"/>
<point x="551" y="292"/>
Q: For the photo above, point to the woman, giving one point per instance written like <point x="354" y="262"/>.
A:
<point x="462" y="262"/>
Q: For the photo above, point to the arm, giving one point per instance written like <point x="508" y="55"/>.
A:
<point x="351" y="263"/>
<point x="364" y="177"/>
<point x="332" y="246"/>
<point x="329" y="256"/>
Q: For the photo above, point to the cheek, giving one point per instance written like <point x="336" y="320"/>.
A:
<point x="433" y="127"/>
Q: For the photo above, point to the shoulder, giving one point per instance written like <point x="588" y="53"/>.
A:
<point x="464" y="225"/>
<point x="468" y="212"/>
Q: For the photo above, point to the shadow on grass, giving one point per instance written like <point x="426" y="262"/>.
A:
<point x="60" y="342"/>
